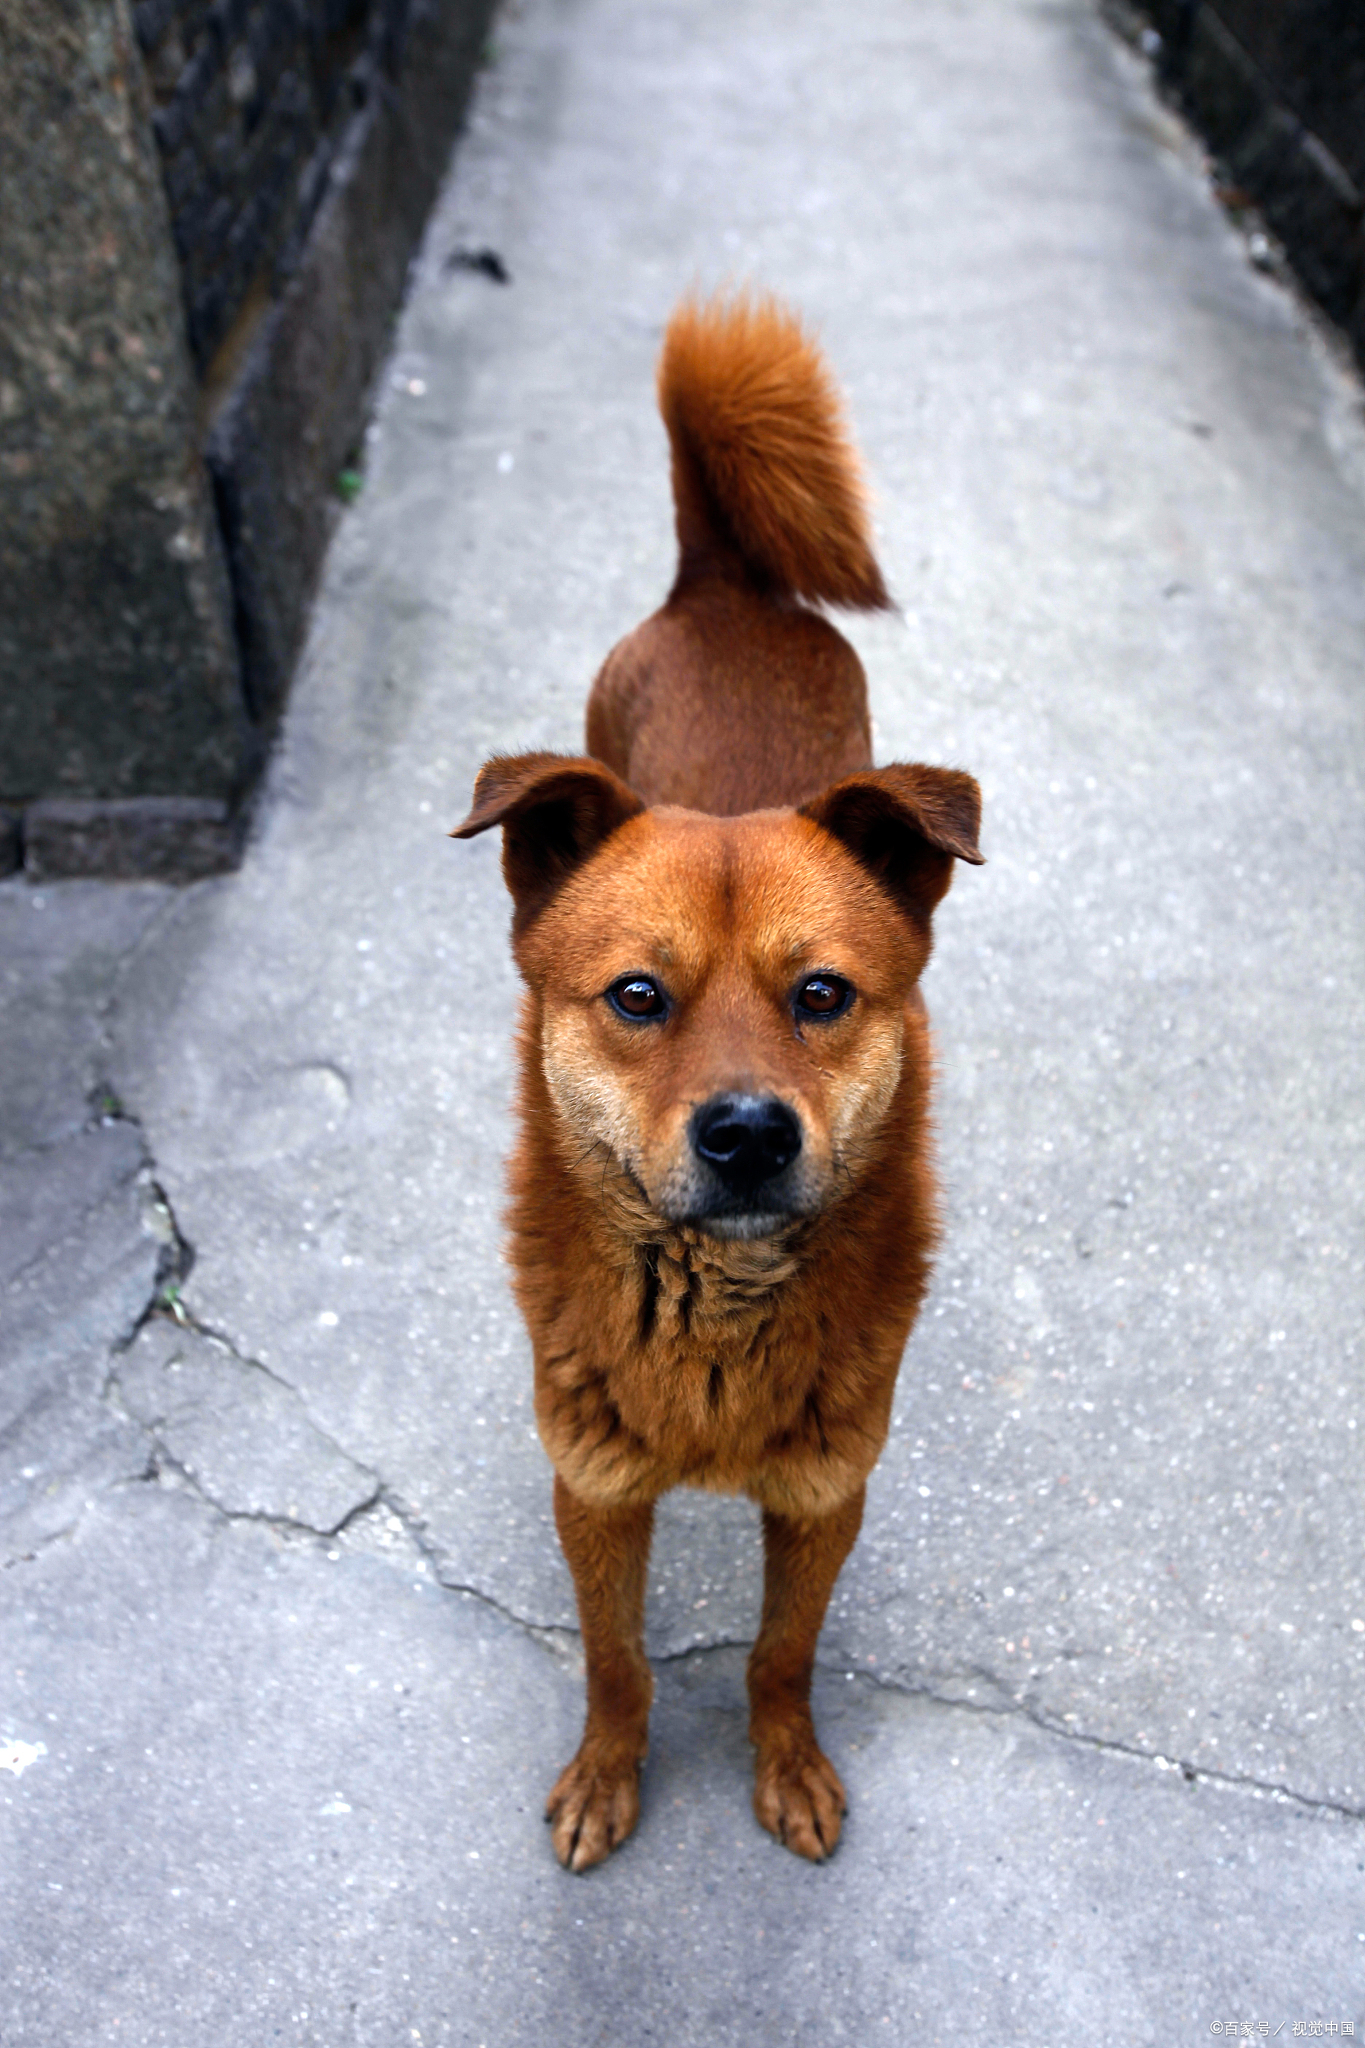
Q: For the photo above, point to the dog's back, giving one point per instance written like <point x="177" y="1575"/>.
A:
<point x="737" y="696"/>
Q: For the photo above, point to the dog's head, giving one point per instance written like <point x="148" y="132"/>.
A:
<point x="722" y="1001"/>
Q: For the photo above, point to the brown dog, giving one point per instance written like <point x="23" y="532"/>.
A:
<point x="723" y="1202"/>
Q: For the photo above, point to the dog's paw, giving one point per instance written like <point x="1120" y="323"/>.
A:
<point x="800" y="1798"/>
<point x="594" y="1806"/>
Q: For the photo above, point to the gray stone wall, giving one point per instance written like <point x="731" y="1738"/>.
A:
<point x="206" y="217"/>
<point x="249" y="97"/>
<point x="118" y="669"/>
<point x="283" y="431"/>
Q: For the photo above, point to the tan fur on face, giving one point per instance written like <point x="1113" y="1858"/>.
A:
<point x="667" y="1356"/>
<point x="729" y="916"/>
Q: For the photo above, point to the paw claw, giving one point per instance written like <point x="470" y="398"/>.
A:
<point x="799" y="1798"/>
<point x="594" y="1805"/>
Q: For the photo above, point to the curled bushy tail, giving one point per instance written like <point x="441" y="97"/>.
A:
<point x="762" y="459"/>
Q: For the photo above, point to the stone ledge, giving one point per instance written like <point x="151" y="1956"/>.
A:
<point x="143" y="838"/>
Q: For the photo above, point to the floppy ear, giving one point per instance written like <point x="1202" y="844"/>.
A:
<point x="554" y="810"/>
<point x="906" y="824"/>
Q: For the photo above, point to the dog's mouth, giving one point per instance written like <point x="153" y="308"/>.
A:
<point x="746" y="1226"/>
<point x="745" y="1162"/>
<point x="745" y="1174"/>
<point x="707" y="1211"/>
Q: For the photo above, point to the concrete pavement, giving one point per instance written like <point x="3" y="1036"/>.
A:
<point x="289" y="1648"/>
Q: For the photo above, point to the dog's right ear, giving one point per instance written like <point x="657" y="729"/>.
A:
<point x="554" y="810"/>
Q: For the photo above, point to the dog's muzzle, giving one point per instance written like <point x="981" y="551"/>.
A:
<point x="745" y="1142"/>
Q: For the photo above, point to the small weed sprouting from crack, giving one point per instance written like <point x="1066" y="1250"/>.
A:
<point x="174" y="1264"/>
<point x="168" y="1300"/>
<point x="175" y="1256"/>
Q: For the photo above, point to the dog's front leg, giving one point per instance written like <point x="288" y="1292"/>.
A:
<point x="798" y="1794"/>
<point x="596" y="1801"/>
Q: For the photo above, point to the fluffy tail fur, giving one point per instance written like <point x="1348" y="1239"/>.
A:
<point x="762" y="460"/>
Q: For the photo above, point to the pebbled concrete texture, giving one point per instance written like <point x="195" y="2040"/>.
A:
<point x="62" y="952"/>
<point x="238" y="1435"/>
<point x="298" y="1762"/>
<point x="1113" y="1551"/>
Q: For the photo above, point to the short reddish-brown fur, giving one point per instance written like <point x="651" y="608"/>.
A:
<point x="771" y="510"/>
<point x="727" y="836"/>
<point x="761" y="458"/>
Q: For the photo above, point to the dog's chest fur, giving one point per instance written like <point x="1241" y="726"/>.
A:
<point x="713" y="1328"/>
<point x="668" y="1357"/>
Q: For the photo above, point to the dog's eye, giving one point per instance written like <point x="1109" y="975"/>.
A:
<point x="636" y="996"/>
<point x="824" y="995"/>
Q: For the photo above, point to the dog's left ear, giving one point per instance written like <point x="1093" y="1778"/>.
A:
<point x="555" y="810"/>
<point x="906" y="825"/>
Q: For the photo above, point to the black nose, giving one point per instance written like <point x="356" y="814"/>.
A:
<point x="745" y="1139"/>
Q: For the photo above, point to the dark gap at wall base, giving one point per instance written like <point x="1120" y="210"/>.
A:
<point x="282" y="434"/>
<point x="1277" y="89"/>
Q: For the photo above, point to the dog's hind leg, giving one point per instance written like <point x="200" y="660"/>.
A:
<point x="798" y="1795"/>
<point x="596" y="1801"/>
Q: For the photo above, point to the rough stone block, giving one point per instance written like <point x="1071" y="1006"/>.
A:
<point x="155" y="838"/>
<point x="118" y="671"/>
<point x="133" y="667"/>
<point x="152" y="18"/>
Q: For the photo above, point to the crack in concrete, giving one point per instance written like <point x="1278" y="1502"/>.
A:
<point x="97" y="1039"/>
<point x="45" y="1543"/>
<point x="543" y="1633"/>
<point x="1192" y="1773"/>
<point x="175" y="1265"/>
<point x="555" y="1635"/>
<point x="548" y="1635"/>
<point x="172" y="1309"/>
<point x="1006" y="1710"/>
<point x="165" y="1303"/>
<point x="165" y="1460"/>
